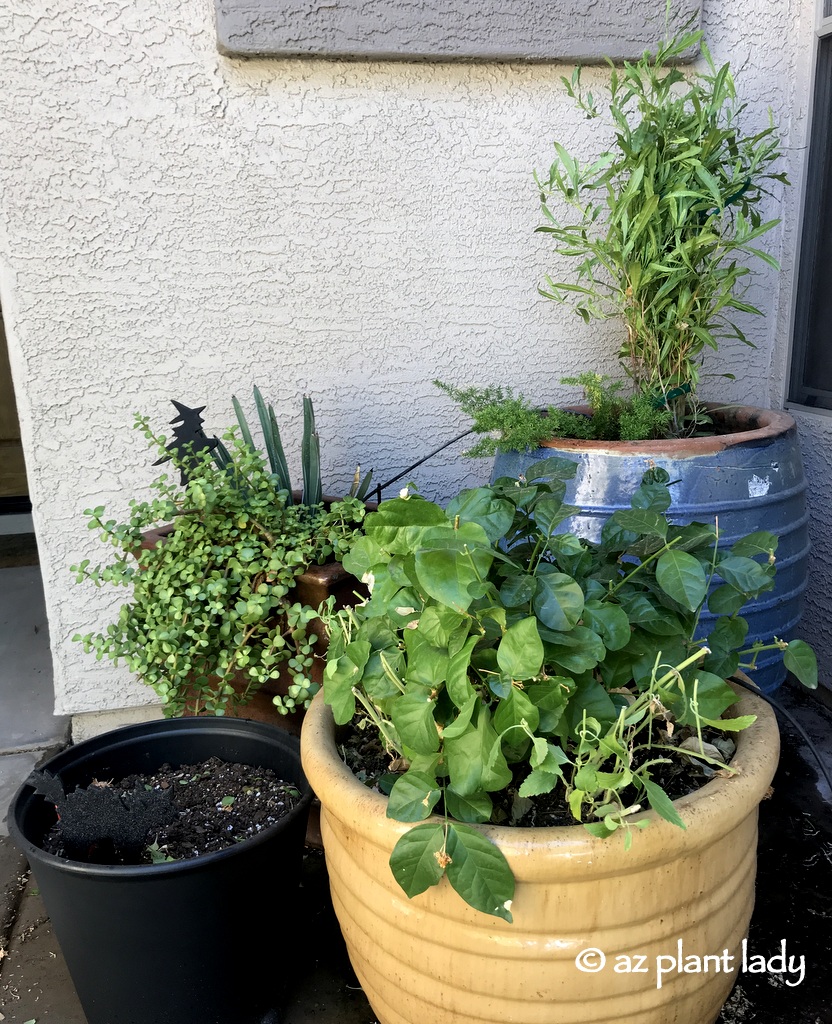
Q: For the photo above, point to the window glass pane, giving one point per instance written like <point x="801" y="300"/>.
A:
<point x="811" y="373"/>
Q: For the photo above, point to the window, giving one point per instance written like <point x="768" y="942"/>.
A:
<point x="810" y="381"/>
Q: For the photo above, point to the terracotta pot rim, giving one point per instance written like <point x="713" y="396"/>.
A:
<point x="763" y="425"/>
<point x="714" y="809"/>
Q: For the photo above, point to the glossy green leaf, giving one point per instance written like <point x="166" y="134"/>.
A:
<point x="460" y="724"/>
<point x="449" y="562"/>
<point x="725" y="600"/>
<point x="550" y="698"/>
<point x="744" y="574"/>
<point x="520" y="654"/>
<point x="640" y="521"/>
<point x="479" y="872"/>
<point x="800" y="659"/>
<point x="413" y="797"/>
<point x="415" y="860"/>
<point x="609" y="621"/>
<point x="760" y="543"/>
<point x="479" y="505"/>
<point x="682" y="577"/>
<point x="339" y="678"/>
<point x="518" y="590"/>
<point x="399" y="523"/>
<point x="558" y="601"/>
<point x="412" y="715"/>
<point x="476" y="807"/>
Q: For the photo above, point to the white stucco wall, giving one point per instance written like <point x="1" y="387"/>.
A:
<point x="178" y="224"/>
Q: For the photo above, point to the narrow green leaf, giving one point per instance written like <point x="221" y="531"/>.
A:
<point x="661" y="802"/>
<point x="310" y="456"/>
<point x="282" y="467"/>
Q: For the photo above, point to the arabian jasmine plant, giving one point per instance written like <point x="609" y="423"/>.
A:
<point x="211" y="612"/>
<point x="507" y="666"/>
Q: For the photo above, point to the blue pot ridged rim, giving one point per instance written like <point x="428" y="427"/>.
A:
<point x="134" y="735"/>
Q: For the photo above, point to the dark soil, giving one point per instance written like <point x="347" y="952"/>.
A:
<point x="678" y="777"/>
<point x="178" y="812"/>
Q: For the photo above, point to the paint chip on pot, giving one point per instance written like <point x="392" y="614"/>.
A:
<point x="758" y="486"/>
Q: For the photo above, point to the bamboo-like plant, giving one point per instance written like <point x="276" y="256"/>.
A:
<point x="662" y="222"/>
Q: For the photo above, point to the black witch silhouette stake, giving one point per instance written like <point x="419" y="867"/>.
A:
<point x="188" y="440"/>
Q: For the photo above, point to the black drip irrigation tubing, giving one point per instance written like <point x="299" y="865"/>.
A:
<point x="787" y="714"/>
<point x="381" y="487"/>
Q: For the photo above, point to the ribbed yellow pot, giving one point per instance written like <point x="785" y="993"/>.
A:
<point x="434" y="960"/>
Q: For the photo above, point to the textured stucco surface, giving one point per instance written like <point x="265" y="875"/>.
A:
<point x="442" y="30"/>
<point x="179" y="224"/>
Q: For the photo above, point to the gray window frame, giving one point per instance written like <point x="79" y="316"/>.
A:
<point x="811" y="344"/>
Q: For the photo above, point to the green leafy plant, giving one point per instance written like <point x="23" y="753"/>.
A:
<point x="312" y="492"/>
<point x="501" y="659"/>
<point x="213" y="613"/>
<point x="661" y="223"/>
<point x="508" y="422"/>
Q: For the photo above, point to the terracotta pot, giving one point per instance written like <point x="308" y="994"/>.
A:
<point x="434" y="959"/>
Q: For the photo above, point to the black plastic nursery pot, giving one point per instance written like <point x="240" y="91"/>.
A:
<point x="199" y="941"/>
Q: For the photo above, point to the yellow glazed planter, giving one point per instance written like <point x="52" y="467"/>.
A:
<point x="434" y="960"/>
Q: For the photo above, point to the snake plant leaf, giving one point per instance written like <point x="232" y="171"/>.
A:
<point x="241" y="419"/>
<point x="282" y="469"/>
<point x="310" y="456"/>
